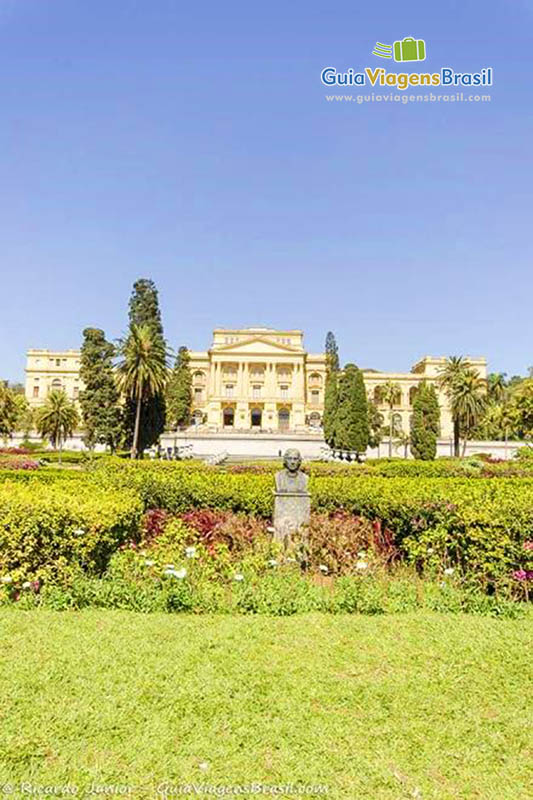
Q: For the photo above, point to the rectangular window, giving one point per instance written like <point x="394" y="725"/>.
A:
<point x="58" y="362"/>
<point x="315" y="396"/>
<point x="36" y="391"/>
<point x="256" y="392"/>
<point x="229" y="390"/>
<point x="284" y="392"/>
<point x="198" y="395"/>
<point x="76" y="392"/>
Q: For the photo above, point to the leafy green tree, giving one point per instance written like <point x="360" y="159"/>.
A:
<point x="453" y="369"/>
<point x="57" y="419"/>
<point x="8" y="410"/>
<point x="331" y="392"/>
<point x="522" y="404"/>
<point x="391" y="393"/>
<point x="179" y="392"/>
<point x="351" y="426"/>
<point x="142" y="372"/>
<point x="425" y="423"/>
<point x="144" y="310"/>
<point x="25" y="420"/>
<point x="331" y="404"/>
<point x="99" y="400"/>
<point x="375" y="424"/>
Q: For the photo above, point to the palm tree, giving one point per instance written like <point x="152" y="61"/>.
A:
<point x="143" y="371"/>
<point x="468" y="401"/>
<point x="503" y="417"/>
<point x="496" y="386"/>
<point x="57" y="419"/>
<point x="391" y="393"/>
<point x="454" y="368"/>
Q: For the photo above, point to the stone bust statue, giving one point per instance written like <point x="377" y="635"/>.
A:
<point x="291" y="479"/>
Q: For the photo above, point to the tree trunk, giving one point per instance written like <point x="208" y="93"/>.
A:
<point x="505" y="450"/>
<point x="390" y="434"/>
<point x="137" y="426"/>
<point x="464" y="446"/>
<point x="456" y="439"/>
<point x="60" y="450"/>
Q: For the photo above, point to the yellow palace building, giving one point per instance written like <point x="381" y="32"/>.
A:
<point x="256" y="380"/>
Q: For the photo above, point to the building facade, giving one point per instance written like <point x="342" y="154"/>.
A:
<point x="258" y="380"/>
<point x="47" y="370"/>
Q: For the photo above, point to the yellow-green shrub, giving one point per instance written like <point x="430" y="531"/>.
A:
<point x="46" y="529"/>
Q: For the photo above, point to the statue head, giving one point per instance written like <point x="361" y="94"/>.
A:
<point x="292" y="460"/>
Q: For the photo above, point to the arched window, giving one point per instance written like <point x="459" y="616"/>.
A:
<point x="56" y="385"/>
<point x="315" y="420"/>
<point x="378" y="395"/>
<point x="256" y="417"/>
<point x="412" y="394"/>
<point x="396" y="423"/>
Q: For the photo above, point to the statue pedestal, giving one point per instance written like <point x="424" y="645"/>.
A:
<point x="292" y="511"/>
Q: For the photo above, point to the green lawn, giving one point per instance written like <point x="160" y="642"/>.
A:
<point x="412" y="706"/>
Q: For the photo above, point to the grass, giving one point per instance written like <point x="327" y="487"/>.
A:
<point x="413" y="706"/>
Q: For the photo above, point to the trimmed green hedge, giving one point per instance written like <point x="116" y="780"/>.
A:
<point x="46" y="529"/>
<point x="479" y="525"/>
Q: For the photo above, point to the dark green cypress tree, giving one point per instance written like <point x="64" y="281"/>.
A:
<point x="99" y="399"/>
<point x="332" y="352"/>
<point x="331" y="392"/>
<point x="179" y="392"/>
<point x="425" y="423"/>
<point x="351" y="427"/>
<point x="144" y="310"/>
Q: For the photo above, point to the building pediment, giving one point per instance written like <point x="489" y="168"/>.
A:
<point x="256" y="345"/>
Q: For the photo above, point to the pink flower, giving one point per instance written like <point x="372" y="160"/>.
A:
<point x="520" y="575"/>
<point x="528" y="545"/>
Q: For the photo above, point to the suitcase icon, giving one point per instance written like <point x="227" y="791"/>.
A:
<point x="410" y="49"/>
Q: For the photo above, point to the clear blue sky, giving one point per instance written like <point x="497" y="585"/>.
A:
<point x="192" y="143"/>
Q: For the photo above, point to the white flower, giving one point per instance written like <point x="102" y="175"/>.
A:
<point x="149" y="563"/>
<point x="448" y="571"/>
<point x="323" y="569"/>
<point x="430" y="550"/>
<point x="79" y="532"/>
<point x="272" y="563"/>
<point x="238" y="577"/>
<point x="169" y="566"/>
<point x="362" y="554"/>
<point x="190" y="552"/>
<point x="361" y="565"/>
<point x="271" y="529"/>
<point x="26" y="585"/>
<point x="7" y="579"/>
<point x="176" y="573"/>
<point x="203" y="765"/>
<point x="290" y="560"/>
